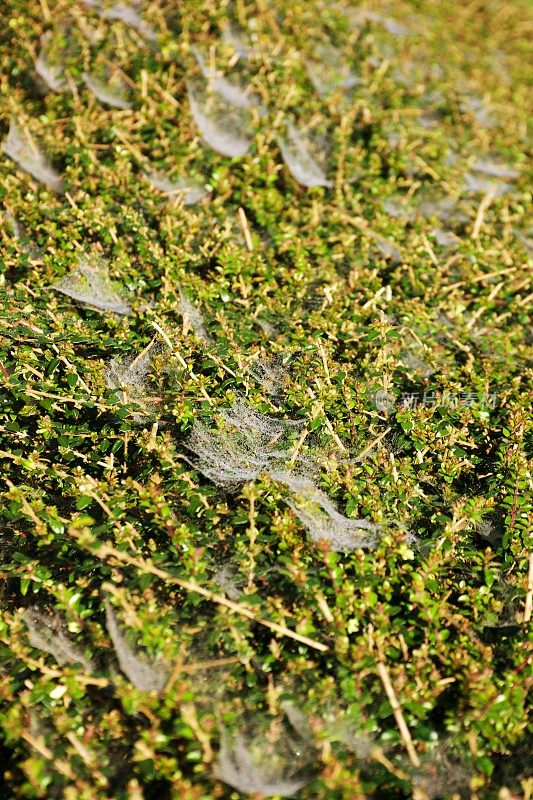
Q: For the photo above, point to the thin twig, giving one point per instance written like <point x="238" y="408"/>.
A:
<point x="485" y="276"/>
<point x="334" y="435"/>
<point x="325" y="363"/>
<point x="214" y="663"/>
<point x="162" y="333"/>
<point x="76" y="400"/>
<point x="246" y="230"/>
<point x="398" y="714"/>
<point x="480" y="216"/>
<point x="46" y="11"/>
<point x="192" y="586"/>
<point x="515" y="503"/>
<point x="44" y="751"/>
<point x="142" y="353"/>
<point x="529" y="596"/>
<point x="372" y="444"/>
<point x="378" y="755"/>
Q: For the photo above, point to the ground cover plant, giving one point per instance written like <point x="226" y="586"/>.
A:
<point x="265" y="411"/>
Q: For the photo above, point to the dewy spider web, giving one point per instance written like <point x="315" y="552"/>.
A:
<point x="92" y="287"/>
<point x="145" y="676"/>
<point x="226" y="133"/>
<point x="51" y="74"/>
<point x="296" y="153"/>
<point x="251" y="444"/>
<point x="243" y="448"/>
<point x="47" y="634"/>
<point x="234" y="94"/>
<point x="112" y="94"/>
<point x="20" y="146"/>
<point x="130" y="376"/>
<point x="188" y="190"/>
<point x="254" y="768"/>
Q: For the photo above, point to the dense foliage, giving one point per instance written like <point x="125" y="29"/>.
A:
<point x="361" y="269"/>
